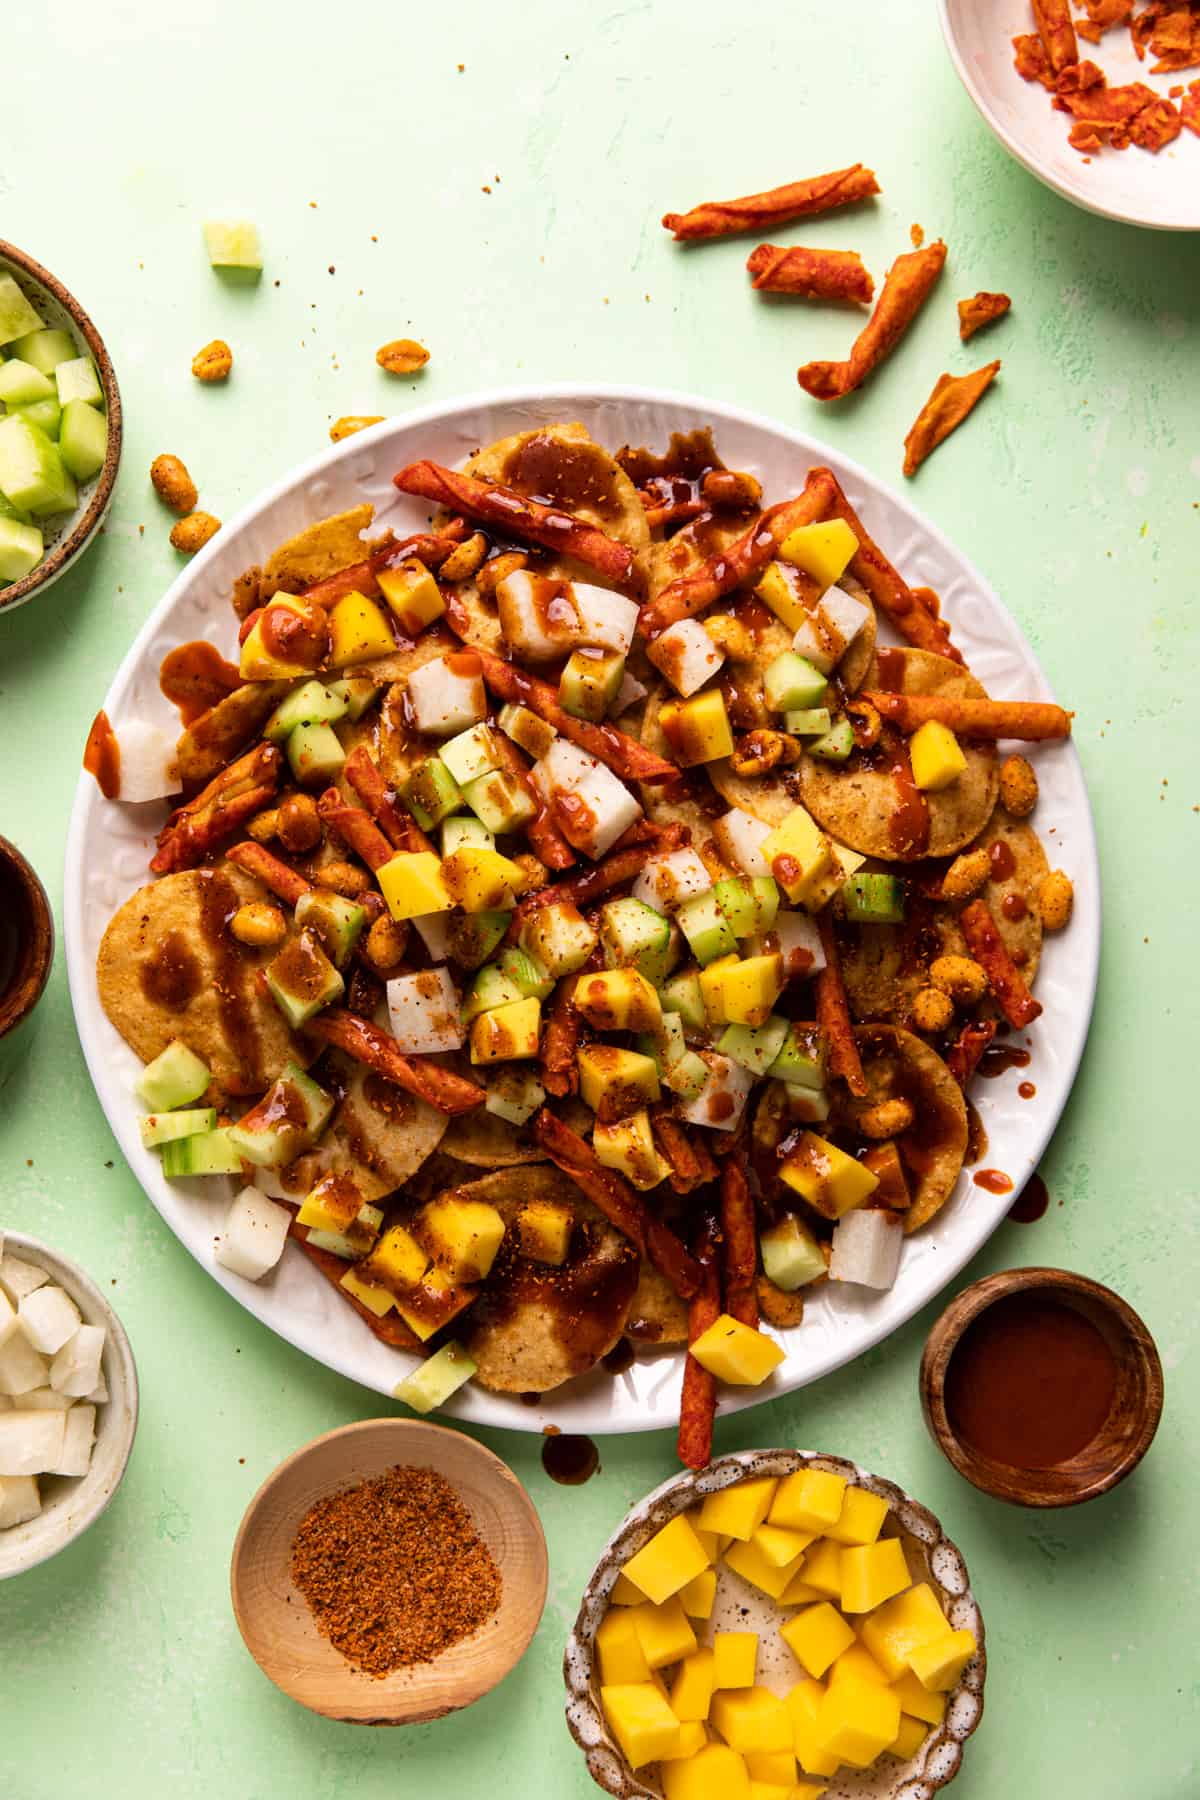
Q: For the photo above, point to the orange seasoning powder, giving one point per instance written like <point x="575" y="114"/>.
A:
<point x="394" y="1570"/>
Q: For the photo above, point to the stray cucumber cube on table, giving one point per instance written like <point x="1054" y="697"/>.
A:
<point x="233" y="244"/>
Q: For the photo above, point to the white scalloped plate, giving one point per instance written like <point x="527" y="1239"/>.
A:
<point x="109" y="848"/>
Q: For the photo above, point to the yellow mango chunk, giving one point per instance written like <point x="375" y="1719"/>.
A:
<point x="358" y="632"/>
<point x="462" y="1236"/>
<point x="856" y="1720"/>
<point x="783" y="590"/>
<point x="823" y="550"/>
<point x="809" y="1500"/>
<point x="752" y="1719"/>
<point x="697" y="730"/>
<point x="664" y="1632"/>
<point x="618" y="1000"/>
<point x="816" y="1637"/>
<point x="936" y="756"/>
<point x="412" y="593"/>
<point x="738" y="1510"/>
<point x="507" y="1033"/>
<point x="714" y="1541"/>
<point x="714" y="1773"/>
<point x="831" y="1182"/>
<point x="397" y="1261"/>
<point x="860" y="1519"/>
<point x="628" y="1146"/>
<point x="544" y="1235"/>
<point x="625" y="1592"/>
<point x="780" y="1546"/>
<point x="896" y="1628"/>
<point x="822" y="1568"/>
<point x="692" y="1738"/>
<point x="412" y="884"/>
<point x="857" y="1662"/>
<point x="741" y="991"/>
<point x="736" y="1353"/>
<point x="376" y="1299"/>
<point x="769" y="1790"/>
<point x="917" y="1700"/>
<point x="735" y="1656"/>
<point x="669" y="1561"/>
<point x="748" y="1561"/>
<point x="257" y="663"/>
<point x="798" y="852"/>
<point x="433" y="1303"/>
<point x="800" y="1592"/>
<point x="808" y="1790"/>
<point x="872" y="1573"/>
<point x="802" y="1703"/>
<point x="909" y="1738"/>
<point x="481" y="880"/>
<point x="692" y="1688"/>
<point x="775" y="1767"/>
<point x="616" y="1082"/>
<point x="939" y="1664"/>
<point x="699" y="1596"/>
<point x="641" y="1721"/>
<point x="619" y="1650"/>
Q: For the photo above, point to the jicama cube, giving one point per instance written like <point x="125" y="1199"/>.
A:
<point x="252" y="1242"/>
<point x="665" y="882"/>
<point x="425" y="1012"/>
<point x="48" y="1317"/>
<point x="799" y="945"/>
<point x="21" y="1368"/>
<point x="739" y="838"/>
<point x="31" y="1442"/>
<point x="589" y="804"/>
<point x="8" y="1317"/>
<point x="433" y="929"/>
<point x="543" y="618"/>
<point x="722" y="1100"/>
<point x="686" y="655"/>
<point x="19" y="1278"/>
<point x="76" y="1368"/>
<point x="843" y="617"/>
<point x="866" y="1249"/>
<point x="44" y="1399"/>
<point x="148" y="770"/>
<point x="19" y="1500"/>
<point x="446" y="699"/>
<point x="78" y="1437"/>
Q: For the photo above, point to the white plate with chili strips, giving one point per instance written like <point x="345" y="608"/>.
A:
<point x="109" y="848"/>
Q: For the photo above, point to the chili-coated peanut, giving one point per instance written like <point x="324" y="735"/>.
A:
<point x="264" y="825"/>
<point x="731" y="636"/>
<point x="245" y="593"/>
<point x="343" y="878"/>
<point x="777" y="1307"/>
<point x="761" y="751"/>
<point x="350" y="423"/>
<point x="299" y="823"/>
<point x="494" y="571"/>
<point x="959" y="976"/>
<point x="403" y="356"/>
<point x="865" y="723"/>
<point x="966" y="875"/>
<point x="259" y="924"/>
<point x="886" y="1119"/>
<point x="214" y="362"/>
<point x="1018" y="787"/>
<point x="733" y="490"/>
<point x="932" y="1010"/>
<point x="191" y="534"/>
<point x="386" y="944"/>
<point x="1055" y="900"/>
<point x="172" y="483"/>
<point x="462" y="563"/>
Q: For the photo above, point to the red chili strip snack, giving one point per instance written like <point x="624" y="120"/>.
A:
<point x="980" y="310"/>
<point x="621" y="754"/>
<point x="919" y="623"/>
<point x="497" y="505"/>
<point x="905" y="288"/>
<point x="1102" y="16"/>
<point x="698" y="1396"/>
<point x="560" y="1039"/>
<point x="811" y="274"/>
<point x="1053" y="20"/>
<point x="833" y="1014"/>
<point x="355" y="828"/>
<point x="286" y="883"/>
<point x="1004" y="978"/>
<point x="739" y="1244"/>
<point x="1189" y="107"/>
<point x="691" y="1164"/>
<point x="962" y="1058"/>
<point x="953" y="399"/>
<point x="378" y="1050"/>
<point x="544" y="836"/>
<point x="777" y="206"/>
<point x="362" y="772"/>
<point x="1030" y="61"/>
<point x="1170" y="29"/>
<point x="1033" y="720"/>
<point x="218" y="810"/>
<point x="612" y="871"/>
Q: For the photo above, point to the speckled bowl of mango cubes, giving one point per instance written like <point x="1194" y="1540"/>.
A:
<point x="777" y="1626"/>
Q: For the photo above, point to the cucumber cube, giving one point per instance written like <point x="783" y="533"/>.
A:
<point x="83" y="439"/>
<point x="801" y="1058"/>
<point x="534" y="735"/>
<point x="683" y="995"/>
<point x="77" y="380"/>
<point x="812" y="721"/>
<point x="792" y="681"/>
<point x="310" y="704"/>
<point x="338" y="922"/>
<point x="791" y="1255"/>
<point x="633" y="935"/>
<point x="687" y="1076"/>
<point x="836" y="744"/>
<point x="9" y="511"/>
<point x="315" y="754"/>
<point x="205" y="1153"/>
<point x="471" y="937"/>
<point x="808" y="1106"/>
<point x="45" y="414"/>
<point x="45" y="349"/>
<point x="21" y="549"/>
<point x="431" y="793"/>
<point x="302" y="980"/>
<point x="590" y="682"/>
<point x="491" y="988"/>
<point x="64" y="498"/>
<point x="232" y="244"/>
<point x="514" y="1094"/>
<point x="706" y="929"/>
<point x="435" y="1381"/>
<point x="500" y="801"/>
<point x="527" y="972"/>
<point x="358" y="691"/>
<point x="874" y="899"/>
<point x="176" y="1077"/>
<point x="31" y="469"/>
<point x="748" y="903"/>
<point x="471" y="754"/>
<point x="755" y="1049"/>
<point x="17" y="317"/>
<point x="462" y="833"/>
<point x="165" y="1127"/>
<point x="20" y="383"/>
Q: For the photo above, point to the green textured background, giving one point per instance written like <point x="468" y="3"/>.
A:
<point x="1075" y="489"/>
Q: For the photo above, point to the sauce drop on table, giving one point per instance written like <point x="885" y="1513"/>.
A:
<point x="569" y="1460"/>
<point x="1030" y="1203"/>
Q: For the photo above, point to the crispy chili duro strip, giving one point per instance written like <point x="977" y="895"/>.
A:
<point x="698" y="1397"/>
<point x="355" y="828"/>
<point x="919" y="624"/>
<point x="953" y="399"/>
<point x="962" y="1058"/>
<point x="1004" y="978"/>
<point x="219" y="810"/>
<point x="739" y="1244"/>
<point x="286" y="883"/>
<point x="1053" y="20"/>
<point x="390" y="1328"/>
<point x="980" y="310"/>
<point x="224" y="731"/>
<point x="810" y="274"/>
<point x="519" y="517"/>
<point x="776" y="206"/>
<point x="904" y="291"/>
<point x="726" y="570"/>
<point x="402" y="832"/>
<point x="833" y="1014"/>
<point x="691" y="1165"/>
<point x="378" y="1050"/>
<point x="1033" y="720"/>
<point x="612" y="871"/>
<point x="621" y="754"/>
<point x="546" y="840"/>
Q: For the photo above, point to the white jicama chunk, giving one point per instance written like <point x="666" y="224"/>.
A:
<point x="6" y="1402"/>
<point x="799" y="944"/>
<point x="78" y="1438"/>
<point x="542" y="618"/>
<point x="607" y="620"/>
<point x="31" y="1442"/>
<point x="148" y="769"/>
<point x="19" y="1500"/>
<point x="433" y="929"/>
<point x="629" y="693"/>
<point x="19" y="1278"/>
<point x="48" y="1318"/>
<point x="810" y="642"/>
<point x="443" y="701"/>
<point x="76" y="1368"/>
<point x="866" y="1249"/>
<point x="21" y="1368"/>
<point x="45" y="1399"/>
<point x="425" y="1012"/>
<point x="686" y="655"/>
<point x="740" y="838"/>
<point x="843" y="617"/>
<point x="665" y="882"/>
<point x="722" y="1100"/>
<point x="253" y="1239"/>
<point x="99" y="1394"/>
<point x="599" y="807"/>
<point x="8" y="1317"/>
<point x="271" y="1181"/>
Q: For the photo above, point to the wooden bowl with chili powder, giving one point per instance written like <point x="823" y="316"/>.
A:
<point x="389" y="1572"/>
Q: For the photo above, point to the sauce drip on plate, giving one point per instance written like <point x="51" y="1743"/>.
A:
<point x="102" y="756"/>
<point x="195" y="677"/>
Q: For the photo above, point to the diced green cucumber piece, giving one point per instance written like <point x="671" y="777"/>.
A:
<point x="315" y="754"/>
<point x="45" y="349"/>
<point x="83" y="439"/>
<point x="791" y="1255"/>
<point x="471" y="754"/>
<point x="534" y="735"/>
<point x="634" y="935"/>
<point x="472" y="937"/>
<point x="749" y="903"/>
<point x="706" y="928"/>
<point x="436" y="1380"/>
<point x="754" y="1048"/>
<point x="288" y="1120"/>
<point x="31" y="469"/>
<point x="207" y="1153"/>
<point x="590" y="682"/>
<point x="64" y="499"/>
<point x="836" y="744"/>
<point x="812" y="721"/>
<point x="312" y="703"/>
<point x="20" y="383"/>
<point x="302" y="980"/>
<point x="47" y="416"/>
<point x="431" y="793"/>
<point x="527" y="972"/>
<point x="808" y="1106"/>
<point x="465" y="832"/>
<point x="500" y="800"/>
<point x="801" y="1058"/>
<point x="337" y="922"/>
<point x="514" y="1094"/>
<point x="165" y="1127"/>
<point x="666" y="1045"/>
<point x="233" y="244"/>
<point x="9" y="511"/>
<point x="358" y="691"/>
<point x="687" y="1076"/>
<point x="21" y="549"/>
<point x="559" y="937"/>
<point x="335" y="1242"/>
<point x="874" y="899"/>
<point x="491" y="988"/>
<point x="76" y="379"/>
<point x="683" y="995"/>
<point x="17" y="316"/>
<point x="176" y="1077"/>
<point x="792" y="681"/>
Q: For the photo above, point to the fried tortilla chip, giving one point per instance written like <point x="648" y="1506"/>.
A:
<point x="379" y="1134"/>
<point x="319" y="551"/>
<point x="899" y="1065"/>
<point x="489" y="1142"/>
<point x="658" y="1318"/>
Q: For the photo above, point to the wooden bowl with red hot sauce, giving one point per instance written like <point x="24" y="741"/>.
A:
<point x="1042" y="1387"/>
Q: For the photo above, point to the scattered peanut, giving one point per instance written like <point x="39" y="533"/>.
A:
<point x="932" y="1010"/>
<point x="761" y="751"/>
<point x="1018" y="787"/>
<point x="462" y="563"/>
<point x="777" y="1308"/>
<point x="403" y="356"/>
<point x="299" y="825"/>
<point x="386" y="944"/>
<point x="886" y="1119"/>
<point x="966" y="875"/>
<point x="865" y="722"/>
<point x="347" y="426"/>
<point x="1055" y="899"/>
<point x="731" y="490"/>
<point x="191" y="534"/>
<point x="214" y="362"/>
<point x="343" y="878"/>
<point x="258" y="924"/>
<point x="172" y="483"/>
<point x="731" y="636"/>
<point x="264" y="825"/>
<point x="494" y="571"/>
<point x="245" y="595"/>
<point x="959" y="976"/>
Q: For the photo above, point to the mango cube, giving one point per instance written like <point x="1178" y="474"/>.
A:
<point x="641" y="1721"/>
<point x="810" y="1500"/>
<point x="860" y="1519"/>
<point x="777" y="1768"/>
<point x="735" y="1656"/>
<point x="481" y="880"/>
<point x="625" y="1592"/>
<point x="858" y="1663"/>
<point x="714" y="1773"/>
<point x="823" y="550"/>
<point x="412" y="885"/>
<point x="692" y="1688"/>
<point x="618" y="1000"/>
<point x="692" y="1738"/>
<point x="800" y="1592"/>
<point x="699" y="1596"/>
<point x="669" y="1561"/>
<point x="665" y="1633"/>
<point x="785" y="590"/>
<point x="939" y="1664"/>
<point x="798" y="853"/>
<point x="856" y="1720"/>
<point x="899" y="1626"/>
<point x="753" y="1719"/>
<point x="697" y="730"/>
<point x="358" y="632"/>
<point x="738" y="1510"/>
<point x="627" y="1145"/>
<point x="412" y="593"/>
<point x="462" y="1236"/>
<point x="768" y="1790"/>
<point x="873" y="1573"/>
<point x="544" y="1234"/>
<point x="715" y="1542"/>
<point x="803" y="1702"/>
<point x="831" y="1182"/>
<point x="736" y="1353"/>
<point x="619" y="1650"/>
<point x="507" y="1033"/>
<point x="432" y="1304"/>
<point x="917" y="1700"/>
<point x="779" y="1546"/>
<point x="258" y="663"/>
<point x="397" y="1262"/>
<point x="817" y="1637"/>
<point x="808" y="1790"/>
<point x="748" y="1561"/>
<point x="822" y="1568"/>
<point x="376" y="1299"/>
<point x="936" y="756"/>
<point x="742" y="991"/>
<point x="909" y="1738"/>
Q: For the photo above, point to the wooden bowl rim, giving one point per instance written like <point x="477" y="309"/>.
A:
<point x="946" y="1333"/>
<point x="80" y="533"/>
<point x="17" y="1005"/>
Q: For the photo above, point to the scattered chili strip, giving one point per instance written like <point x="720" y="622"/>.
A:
<point x="953" y="399"/>
<point x="776" y="206"/>
<point x="1033" y="720"/>
<point x="919" y="623"/>
<point x="811" y="274"/>
<point x="1004" y="978"/>
<point x="833" y="1014"/>
<point x="739" y="1244"/>
<point x="698" y="1396"/>
<point x="905" y="288"/>
<point x="377" y="1049"/>
<point x="980" y="310"/>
